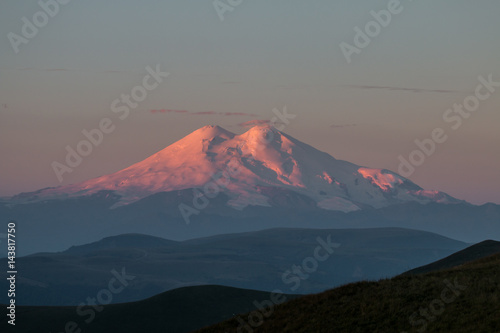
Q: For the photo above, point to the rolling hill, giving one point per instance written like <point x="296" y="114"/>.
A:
<point x="261" y="260"/>
<point x="474" y="252"/>
<point x="177" y="311"/>
<point x="459" y="299"/>
<point x="471" y="305"/>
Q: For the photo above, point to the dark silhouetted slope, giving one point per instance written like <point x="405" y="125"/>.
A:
<point x="412" y="303"/>
<point x="176" y="311"/>
<point x="474" y="252"/>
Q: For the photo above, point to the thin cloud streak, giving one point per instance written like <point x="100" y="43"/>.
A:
<point x="414" y="90"/>
<point x="343" y="125"/>
<point x="204" y="113"/>
<point x="254" y="122"/>
<point x="67" y="70"/>
<point x="169" y="111"/>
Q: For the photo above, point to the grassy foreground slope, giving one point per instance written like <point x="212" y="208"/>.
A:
<point x="177" y="311"/>
<point x="474" y="252"/>
<point x="465" y="298"/>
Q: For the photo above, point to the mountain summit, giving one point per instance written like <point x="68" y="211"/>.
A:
<point x="249" y="168"/>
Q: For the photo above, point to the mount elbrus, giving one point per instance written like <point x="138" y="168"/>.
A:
<point x="215" y="160"/>
<point x="216" y="182"/>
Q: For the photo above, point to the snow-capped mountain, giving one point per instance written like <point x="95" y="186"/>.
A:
<point x="213" y="160"/>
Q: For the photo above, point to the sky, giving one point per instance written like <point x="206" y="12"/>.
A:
<point x="232" y="64"/>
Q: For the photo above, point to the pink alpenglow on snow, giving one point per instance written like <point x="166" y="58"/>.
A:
<point x="264" y="157"/>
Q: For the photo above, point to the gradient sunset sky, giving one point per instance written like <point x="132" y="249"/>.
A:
<point x="263" y="55"/>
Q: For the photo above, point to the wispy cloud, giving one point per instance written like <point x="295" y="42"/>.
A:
<point x="255" y="122"/>
<point x="67" y="70"/>
<point x="300" y="86"/>
<point x="169" y="111"/>
<point x="204" y="113"/>
<point x="239" y="114"/>
<point x="342" y="125"/>
<point x="414" y="90"/>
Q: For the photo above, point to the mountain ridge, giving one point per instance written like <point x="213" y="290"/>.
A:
<point x="168" y="309"/>
<point x="262" y="157"/>
<point x="253" y="260"/>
